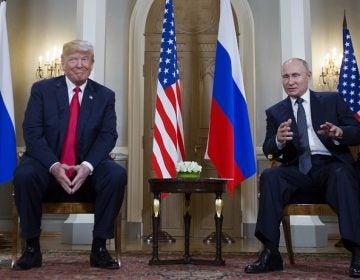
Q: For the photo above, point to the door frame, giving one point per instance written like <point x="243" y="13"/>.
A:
<point x="136" y="104"/>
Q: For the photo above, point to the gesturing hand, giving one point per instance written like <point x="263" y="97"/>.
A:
<point x="331" y="130"/>
<point x="284" y="132"/>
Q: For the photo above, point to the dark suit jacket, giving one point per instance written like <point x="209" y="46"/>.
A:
<point x="46" y="120"/>
<point x="325" y="106"/>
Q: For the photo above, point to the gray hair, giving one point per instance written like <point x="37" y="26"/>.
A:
<point x="77" y="45"/>
<point x="304" y="62"/>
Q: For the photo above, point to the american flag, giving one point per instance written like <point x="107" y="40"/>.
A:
<point x="349" y="80"/>
<point x="168" y="145"/>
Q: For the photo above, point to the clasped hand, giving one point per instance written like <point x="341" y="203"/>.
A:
<point x="284" y="132"/>
<point x="70" y="186"/>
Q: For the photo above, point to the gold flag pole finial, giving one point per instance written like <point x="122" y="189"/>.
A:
<point x="344" y="22"/>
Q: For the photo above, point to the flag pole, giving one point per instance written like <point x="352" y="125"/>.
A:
<point x="230" y="147"/>
<point x="168" y="141"/>
<point x="340" y="243"/>
<point x="344" y="88"/>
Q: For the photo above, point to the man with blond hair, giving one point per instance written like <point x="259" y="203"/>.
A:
<point x="69" y="130"/>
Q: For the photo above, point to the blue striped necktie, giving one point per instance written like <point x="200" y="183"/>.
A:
<point x="305" y="154"/>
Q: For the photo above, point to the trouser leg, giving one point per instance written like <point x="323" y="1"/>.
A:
<point x="108" y="180"/>
<point x="276" y="187"/>
<point x="30" y="182"/>
<point x="343" y="194"/>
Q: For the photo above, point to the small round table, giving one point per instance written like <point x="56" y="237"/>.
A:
<point x="187" y="186"/>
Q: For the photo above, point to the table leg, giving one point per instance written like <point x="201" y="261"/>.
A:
<point x="187" y="220"/>
<point x="218" y="224"/>
<point x="211" y="238"/>
<point x="155" y="222"/>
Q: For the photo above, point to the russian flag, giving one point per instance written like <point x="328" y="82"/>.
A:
<point x="230" y="146"/>
<point x="7" y="123"/>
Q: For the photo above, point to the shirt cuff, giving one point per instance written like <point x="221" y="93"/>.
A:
<point x="279" y="145"/>
<point x="53" y="166"/>
<point x="88" y="164"/>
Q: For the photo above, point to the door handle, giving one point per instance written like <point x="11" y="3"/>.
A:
<point x="197" y="148"/>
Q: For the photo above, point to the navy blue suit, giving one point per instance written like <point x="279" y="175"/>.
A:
<point x="333" y="177"/>
<point x="44" y="128"/>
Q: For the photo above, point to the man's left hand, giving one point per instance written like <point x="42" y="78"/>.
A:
<point x="82" y="172"/>
<point x="330" y="130"/>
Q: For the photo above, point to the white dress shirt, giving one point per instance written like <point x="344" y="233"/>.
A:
<point x="316" y="146"/>
<point x="71" y="86"/>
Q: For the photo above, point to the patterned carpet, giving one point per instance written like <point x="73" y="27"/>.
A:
<point x="75" y="265"/>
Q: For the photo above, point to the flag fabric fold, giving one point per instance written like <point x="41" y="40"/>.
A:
<point x="230" y="146"/>
<point x="168" y="144"/>
<point x="349" y="79"/>
<point x="7" y="122"/>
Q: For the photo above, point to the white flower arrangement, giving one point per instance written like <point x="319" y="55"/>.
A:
<point x="188" y="167"/>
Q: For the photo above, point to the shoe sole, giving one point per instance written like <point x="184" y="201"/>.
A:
<point x="92" y="264"/>
<point x="270" y="269"/>
<point x="17" y="268"/>
<point x="104" y="267"/>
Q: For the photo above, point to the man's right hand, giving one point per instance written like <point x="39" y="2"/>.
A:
<point x="284" y="132"/>
<point x="59" y="172"/>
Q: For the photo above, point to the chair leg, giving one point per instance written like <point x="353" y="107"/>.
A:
<point x="118" y="238"/>
<point x="15" y="234"/>
<point x="287" y="236"/>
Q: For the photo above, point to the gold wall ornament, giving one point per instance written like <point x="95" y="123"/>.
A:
<point x="50" y="66"/>
<point x="330" y="71"/>
<point x="156" y="207"/>
<point x="218" y="206"/>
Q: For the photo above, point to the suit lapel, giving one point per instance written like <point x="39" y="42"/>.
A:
<point x="288" y="113"/>
<point x="89" y="97"/>
<point x="63" y="102"/>
<point x="317" y="113"/>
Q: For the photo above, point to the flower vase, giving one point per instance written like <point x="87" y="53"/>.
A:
<point x="188" y="175"/>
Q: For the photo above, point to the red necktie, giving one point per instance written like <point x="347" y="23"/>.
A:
<point x="68" y="152"/>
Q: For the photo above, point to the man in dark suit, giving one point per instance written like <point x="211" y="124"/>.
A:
<point x="82" y="169"/>
<point x="311" y="133"/>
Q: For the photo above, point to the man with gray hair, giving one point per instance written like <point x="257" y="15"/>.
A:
<point x="310" y="132"/>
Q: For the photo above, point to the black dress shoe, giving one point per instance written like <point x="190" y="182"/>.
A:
<point x="30" y="258"/>
<point x="268" y="261"/>
<point x="354" y="270"/>
<point x="100" y="257"/>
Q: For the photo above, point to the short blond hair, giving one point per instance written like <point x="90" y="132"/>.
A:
<point x="77" y="45"/>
